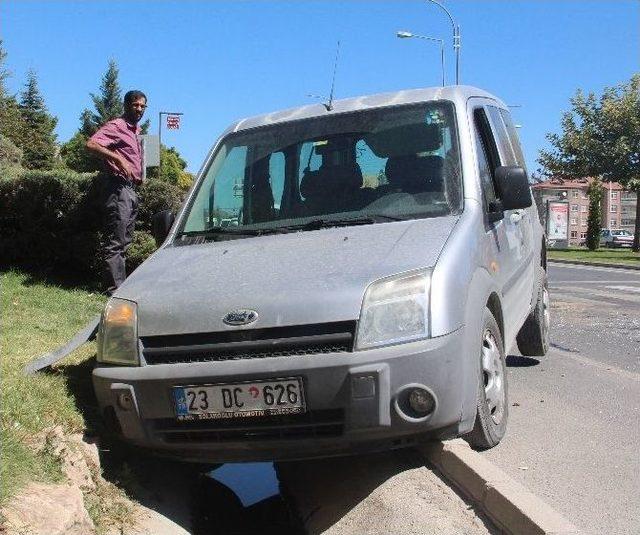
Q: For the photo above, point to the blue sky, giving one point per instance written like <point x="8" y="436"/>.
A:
<point x="218" y="61"/>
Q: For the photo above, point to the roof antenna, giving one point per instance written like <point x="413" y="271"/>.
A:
<point x="329" y="105"/>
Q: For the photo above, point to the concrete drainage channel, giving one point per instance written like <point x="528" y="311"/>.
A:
<point x="442" y="488"/>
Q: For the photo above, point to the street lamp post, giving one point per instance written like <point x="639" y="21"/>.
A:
<point x="160" y="114"/>
<point x="408" y="35"/>
<point x="457" y="42"/>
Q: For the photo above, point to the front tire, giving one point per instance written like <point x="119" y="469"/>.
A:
<point x="533" y="338"/>
<point x="492" y="407"/>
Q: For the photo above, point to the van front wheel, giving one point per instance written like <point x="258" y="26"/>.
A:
<point x="492" y="410"/>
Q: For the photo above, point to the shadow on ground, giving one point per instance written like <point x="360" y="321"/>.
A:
<point x="188" y="495"/>
<point x="518" y="361"/>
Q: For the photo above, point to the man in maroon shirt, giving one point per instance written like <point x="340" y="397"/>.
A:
<point x="118" y="145"/>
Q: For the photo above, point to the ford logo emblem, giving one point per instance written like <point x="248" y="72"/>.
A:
<point x="240" y="317"/>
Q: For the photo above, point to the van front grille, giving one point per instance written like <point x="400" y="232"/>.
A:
<point x="297" y="340"/>
<point x="313" y="424"/>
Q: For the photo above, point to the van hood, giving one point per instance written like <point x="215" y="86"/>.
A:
<point x="299" y="278"/>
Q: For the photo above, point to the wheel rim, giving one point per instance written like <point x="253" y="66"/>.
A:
<point x="493" y="373"/>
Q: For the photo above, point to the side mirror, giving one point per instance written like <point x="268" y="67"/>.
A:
<point x="161" y="225"/>
<point x="513" y="186"/>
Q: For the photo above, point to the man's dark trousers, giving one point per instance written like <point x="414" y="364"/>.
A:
<point x="121" y="210"/>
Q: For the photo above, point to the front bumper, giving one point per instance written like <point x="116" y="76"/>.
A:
<point x="350" y="403"/>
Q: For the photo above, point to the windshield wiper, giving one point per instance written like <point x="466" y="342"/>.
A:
<point x="314" y="224"/>
<point x="317" y="224"/>
<point x="231" y="231"/>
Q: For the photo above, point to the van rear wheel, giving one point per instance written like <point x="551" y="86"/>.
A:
<point x="492" y="408"/>
<point x="533" y="338"/>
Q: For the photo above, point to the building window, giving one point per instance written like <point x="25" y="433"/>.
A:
<point x="575" y="194"/>
<point x="583" y="209"/>
<point x="614" y="195"/>
<point x="574" y="221"/>
<point x="574" y="233"/>
<point x="614" y="208"/>
<point x="583" y="235"/>
<point x="628" y="222"/>
<point x="614" y="223"/>
<point x="574" y="207"/>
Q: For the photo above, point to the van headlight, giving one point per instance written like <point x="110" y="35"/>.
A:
<point x="118" y="333"/>
<point x="395" y="310"/>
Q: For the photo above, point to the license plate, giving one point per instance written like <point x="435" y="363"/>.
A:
<point x="240" y="400"/>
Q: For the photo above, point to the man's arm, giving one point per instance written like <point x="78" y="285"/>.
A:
<point x="116" y="159"/>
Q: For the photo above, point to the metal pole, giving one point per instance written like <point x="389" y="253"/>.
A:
<point x="442" y="62"/>
<point x="456" y="37"/>
<point x="159" y="144"/>
<point x="160" y="114"/>
<point x="457" y="46"/>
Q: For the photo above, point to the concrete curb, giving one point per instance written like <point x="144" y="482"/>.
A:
<point x="512" y="508"/>
<point x="595" y="264"/>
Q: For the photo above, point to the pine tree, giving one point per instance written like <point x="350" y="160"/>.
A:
<point x="37" y="139"/>
<point x="108" y="103"/>
<point x="4" y="73"/>
<point x="10" y="118"/>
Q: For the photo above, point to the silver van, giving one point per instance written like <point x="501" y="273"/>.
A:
<point x="341" y="279"/>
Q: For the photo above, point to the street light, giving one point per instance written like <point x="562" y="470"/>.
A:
<point x="456" y="37"/>
<point x="408" y="35"/>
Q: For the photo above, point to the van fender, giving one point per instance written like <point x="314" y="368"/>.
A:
<point x="482" y="293"/>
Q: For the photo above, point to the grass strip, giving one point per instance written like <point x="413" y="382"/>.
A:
<point x="605" y="256"/>
<point x="37" y="317"/>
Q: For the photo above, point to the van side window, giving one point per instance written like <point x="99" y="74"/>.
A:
<point x="513" y="137"/>
<point x="487" y="152"/>
<point x="502" y="137"/>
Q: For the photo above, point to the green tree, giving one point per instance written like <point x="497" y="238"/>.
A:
<point x="37" y="138"/>
<point x="173" y="169"/>
<point x="4" y="73"/>
<point x="107" y="105"/>
<point x="600" y="138"/>
<point x="594" y="223"/>
<point x="10" y="118"/>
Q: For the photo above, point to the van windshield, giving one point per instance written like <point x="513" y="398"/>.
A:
<point x="369" y="166"/>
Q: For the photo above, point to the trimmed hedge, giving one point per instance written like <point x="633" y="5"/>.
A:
<point x="52" y="221"/>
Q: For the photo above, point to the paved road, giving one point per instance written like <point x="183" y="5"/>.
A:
<point x="574" y="430"/>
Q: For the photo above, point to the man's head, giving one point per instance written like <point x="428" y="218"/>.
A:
<point x="135" y="102"/>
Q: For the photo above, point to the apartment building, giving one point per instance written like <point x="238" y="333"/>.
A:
<point x="618" y="205"/>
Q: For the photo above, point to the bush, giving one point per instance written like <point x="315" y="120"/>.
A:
<point x="155" y="196"/>
<point x="51" y="221"/>
<point x="140" y="249"/>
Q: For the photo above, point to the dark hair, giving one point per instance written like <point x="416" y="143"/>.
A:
<point x="132" y="95"/>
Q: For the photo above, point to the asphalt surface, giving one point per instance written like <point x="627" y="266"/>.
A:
<point x="574" y="430"/>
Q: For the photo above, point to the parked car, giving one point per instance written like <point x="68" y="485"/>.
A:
<point x="616" y="238"/>
<point x="334" y="318"/>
